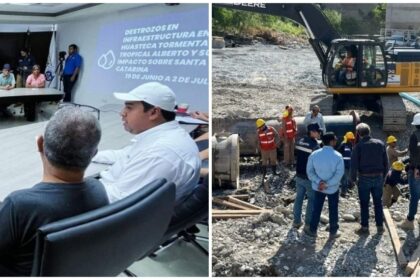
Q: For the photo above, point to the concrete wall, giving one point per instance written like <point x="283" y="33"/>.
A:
<point x="403" y="16"/>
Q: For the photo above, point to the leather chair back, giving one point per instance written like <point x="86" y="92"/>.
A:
<point x="105" y="241"/>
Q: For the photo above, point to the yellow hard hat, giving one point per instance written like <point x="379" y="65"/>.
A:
<point x="344" y="139"/>
<point x="391" y="139"/>
<point x="285" y="114"/>
<point x="398" y="165"/>
<point x="350" y="136"/>
<point x="260" y="123"/>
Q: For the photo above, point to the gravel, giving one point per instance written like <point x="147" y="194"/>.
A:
<point x="258" y="81"/>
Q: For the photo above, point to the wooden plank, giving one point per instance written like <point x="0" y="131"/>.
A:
<point x="243" y="203"/>
<point x="394" y="238"/>
<point x="251" y="212"/>
<point x="240" y="196"/>
<point x="411" y="266"/>
<point x="228" y="204"/>
<point x="230" y="216"/>
<point x="416" y="271"/>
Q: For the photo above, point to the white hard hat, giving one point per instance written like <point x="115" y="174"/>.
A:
<point x="153" y="93"/>
<point x="416" y="119"/>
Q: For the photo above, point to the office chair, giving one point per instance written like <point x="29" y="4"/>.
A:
<point x="105" y="241"/>
<point x="194" y="210"/>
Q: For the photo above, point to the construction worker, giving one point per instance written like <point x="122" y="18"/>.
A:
<point x="325" y="169"/>
<point x="394" y="177"/>
<point x="345" y="149"/>
<point x="413" y="174"/>
<point x="289" y="131"/>
<point x="391" y="150"/>
<point x="370" y="163"/>
<point x="304" y="147"/>
<point x="268" y="138"/>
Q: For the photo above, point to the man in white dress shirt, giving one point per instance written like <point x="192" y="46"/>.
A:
<point x="160" y="148"/>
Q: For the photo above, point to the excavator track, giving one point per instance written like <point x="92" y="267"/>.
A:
<point x="394" y="113"/>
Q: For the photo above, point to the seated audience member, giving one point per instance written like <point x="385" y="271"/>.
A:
<point x="160" y="148"/>
<point x="36" y="79"/>
<point x="202" y="143"/>
<point x="7" y="79"/>
<point x="70" y="140"/>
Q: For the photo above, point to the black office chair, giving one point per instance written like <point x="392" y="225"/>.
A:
<point x="194" y="210"/>
<point x="105" y="241"/>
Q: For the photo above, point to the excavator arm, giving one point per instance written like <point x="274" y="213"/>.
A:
<point x="319" y="30"/>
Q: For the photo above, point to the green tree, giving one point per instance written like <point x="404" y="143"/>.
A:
<point x="379" y="14"/>
<point x="335" y="18"/>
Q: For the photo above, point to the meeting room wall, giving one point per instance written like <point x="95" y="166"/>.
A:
<point x="13" y="39"/>
<point x="89" y="33"/>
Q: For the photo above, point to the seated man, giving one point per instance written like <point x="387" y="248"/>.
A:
<point x="70" y="141"/>
<point x="160" y="148"/>
<point x="7" y="79"/>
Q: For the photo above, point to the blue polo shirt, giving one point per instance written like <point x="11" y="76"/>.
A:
<point x="7" y="80"/>
<point x="72" y="62"/>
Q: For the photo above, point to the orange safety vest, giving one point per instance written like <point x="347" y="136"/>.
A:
<point x="266" y="139"/>
<point x="290" y="129"/>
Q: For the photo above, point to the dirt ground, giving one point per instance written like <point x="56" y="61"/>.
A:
<point x="258" y="81"/>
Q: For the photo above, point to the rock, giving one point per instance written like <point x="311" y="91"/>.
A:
<point x="217" y="266"/>
<point x="263" y="217"/>
<point x="214" y="260"/>
<point x="356" y="214"/>
<point x="300" y="269"/>
<point x="258" y="233"/>
<point x="324" y="219"/>
<point x="286" y="267"/>
<point x="349" y="218"/>
<point x="397" y="218"/>
<point x="278" y="219"/>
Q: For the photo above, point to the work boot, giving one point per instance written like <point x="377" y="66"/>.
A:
<point x="309" y="232"/>
<point x="306" y="228"/>
<point x="297" y="225"/>
<point x="337" y="234"/>
<point x="266" y="187"/>
<point x="380" y="229"/>
<point x="362" y="231"/>
<point x="407" y="225"/>
<point x="274" y="170"/>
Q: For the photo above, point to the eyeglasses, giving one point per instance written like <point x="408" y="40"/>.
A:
<point x="90" y="109"/>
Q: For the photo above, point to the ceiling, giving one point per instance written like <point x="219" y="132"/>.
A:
<point x="45" y="14"/>
<point x="42" y="9"/>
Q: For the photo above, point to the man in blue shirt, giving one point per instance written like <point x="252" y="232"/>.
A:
<point x="315" y="117"/>
<point x="71" y="71"/>
<point x="370" y="162"/>
<point x="325" y="169"/>
<point x="25" y="64"/>
<point x="304" y="147"/>
<point x="7" y="79"/>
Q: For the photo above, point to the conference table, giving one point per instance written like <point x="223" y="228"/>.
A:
<point x="29" y="97"/>
<point x="20" y="162"/>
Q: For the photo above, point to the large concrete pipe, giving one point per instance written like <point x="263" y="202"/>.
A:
<point x="248" y="134"/>
<point x="225" y="160"/>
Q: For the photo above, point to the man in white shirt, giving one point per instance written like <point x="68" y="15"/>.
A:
<point x="160" y="148"/>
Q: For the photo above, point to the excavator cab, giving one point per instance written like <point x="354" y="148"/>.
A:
<point x="355" y="63"/>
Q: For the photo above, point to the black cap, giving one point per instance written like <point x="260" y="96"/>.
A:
<point x="314" y="127"/>
<point x="328" y="137"/>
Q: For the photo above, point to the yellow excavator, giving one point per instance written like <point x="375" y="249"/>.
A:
<point x="376" y="77"/>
